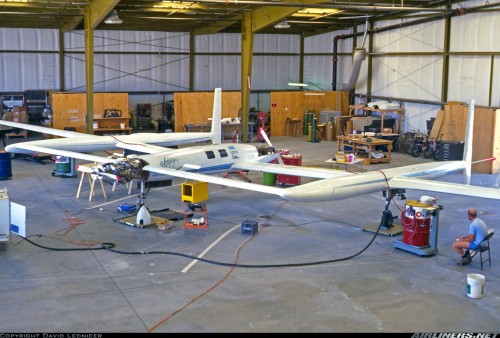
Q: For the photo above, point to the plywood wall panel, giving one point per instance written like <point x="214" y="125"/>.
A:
<point x="495" y="167"/>
<point x="288" y="105"/>
<point x="118" y="101"/>
<point x="483" y="135"/>
<point x="70" y="109"/>
<point x="197" y="107"/>
<point x="486" y="134"/>
<point x="454" y="122"/>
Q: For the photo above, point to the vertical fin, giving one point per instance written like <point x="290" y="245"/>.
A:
<point x="215" y="132"/>
<point x="468" y="143"/>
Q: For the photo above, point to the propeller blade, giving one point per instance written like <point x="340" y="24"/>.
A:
<point x="264" y="135"/>
<point x="268" y="141"/>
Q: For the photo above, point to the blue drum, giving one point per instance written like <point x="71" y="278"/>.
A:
<point x="5" y="165"/>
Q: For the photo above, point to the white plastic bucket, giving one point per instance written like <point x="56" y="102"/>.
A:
<point x="475" y="285"/>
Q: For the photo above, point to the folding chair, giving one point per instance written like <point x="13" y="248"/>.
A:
<point x="483" y="247"/>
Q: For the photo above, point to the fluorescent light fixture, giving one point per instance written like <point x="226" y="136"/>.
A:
<point x="296" y="84"/>
<point x="113" y="18"/>
<point x="282" y="24"/>
<point x="314" y="94"/>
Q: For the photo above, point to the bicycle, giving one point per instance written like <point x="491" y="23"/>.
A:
<point x="432" y="149"/>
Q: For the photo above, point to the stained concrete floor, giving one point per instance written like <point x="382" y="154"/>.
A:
<point x="309" y="268"/>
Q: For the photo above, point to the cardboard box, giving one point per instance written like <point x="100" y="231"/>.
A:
<point x="366" y="161"/>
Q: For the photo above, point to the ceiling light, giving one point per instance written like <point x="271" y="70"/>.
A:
<point x="282" y="24"/>
<point x="297" y="84"/>
<point x="113" y="18"/>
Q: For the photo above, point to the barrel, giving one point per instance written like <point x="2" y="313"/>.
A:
<point x="5" y="165"/>
<point x="270" y="179"/>
<point x="63" y="164"/>
<point x="416" y="224"/>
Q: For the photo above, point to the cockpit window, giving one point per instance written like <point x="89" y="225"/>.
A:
<point x="210" y="154"/>
<point x="223" y="152"/>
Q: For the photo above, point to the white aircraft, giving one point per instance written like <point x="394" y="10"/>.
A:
<point x="81" y="142"/>
<point x="200" y="162"/>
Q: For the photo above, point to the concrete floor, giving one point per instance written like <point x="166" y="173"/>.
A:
<point x="310" y="267"/>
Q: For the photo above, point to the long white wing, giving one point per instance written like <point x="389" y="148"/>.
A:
<point x="445" y="187"/>
<point x="289" y="169"/>
<point x="216" y="180"/>
<point x="43" y="130"/>
<point x="72" y="154"/>
<point x="142" y="148"/>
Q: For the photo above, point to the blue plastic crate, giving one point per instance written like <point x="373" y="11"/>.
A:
<point x="251" y="227"/>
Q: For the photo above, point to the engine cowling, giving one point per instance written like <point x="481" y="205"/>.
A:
<point x="121" y="171"/>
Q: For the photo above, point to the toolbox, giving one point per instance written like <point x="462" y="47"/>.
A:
<point x="296" y="160"/>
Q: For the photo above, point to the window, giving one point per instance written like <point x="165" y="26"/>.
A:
<point x="210" y="154"/>
<point x="222" y="152"/>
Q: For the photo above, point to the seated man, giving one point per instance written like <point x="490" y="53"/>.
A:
<point x="477" y="232"/>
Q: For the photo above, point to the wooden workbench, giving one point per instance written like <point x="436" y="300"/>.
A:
<point x="367" y="146"/>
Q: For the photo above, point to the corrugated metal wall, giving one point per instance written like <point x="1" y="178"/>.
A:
<point x="407" y="63"/>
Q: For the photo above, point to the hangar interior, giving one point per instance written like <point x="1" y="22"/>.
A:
<point x="320" y="77"/>
<point x="310" y="267"/>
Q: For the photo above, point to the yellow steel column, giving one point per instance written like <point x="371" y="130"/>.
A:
<point x="246" y="71"/>
<point x="89" y="68"/>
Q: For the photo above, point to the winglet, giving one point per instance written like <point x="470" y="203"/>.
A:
<point x="468" y="143"/>
<point x="215" y="132"/>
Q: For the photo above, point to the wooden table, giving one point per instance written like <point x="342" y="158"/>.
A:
<point x="366" y="145"/>
<point x="4" y="130"/>
<point x="346" y="164"/>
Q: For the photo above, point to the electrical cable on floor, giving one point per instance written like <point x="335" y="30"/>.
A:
<point x="205" y="292"/>
<point x="111" y="247"/>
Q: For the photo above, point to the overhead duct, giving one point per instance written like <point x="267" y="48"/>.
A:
<point x="359" y="56"/>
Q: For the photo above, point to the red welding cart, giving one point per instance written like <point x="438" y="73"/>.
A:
<point x="290" y="179"/>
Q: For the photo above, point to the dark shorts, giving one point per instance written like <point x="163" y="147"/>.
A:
<point x="473" y="246"/>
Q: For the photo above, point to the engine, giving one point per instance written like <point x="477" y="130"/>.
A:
<point x="122" y="170"/>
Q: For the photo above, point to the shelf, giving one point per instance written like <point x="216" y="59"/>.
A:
<point x="383" y="112"/>
<point x="192" y="218"/>
<point x="110" y="118"/>
<point x="112" y="125"/>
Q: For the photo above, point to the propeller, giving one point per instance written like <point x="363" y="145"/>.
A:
<point x="268" y="141"/>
